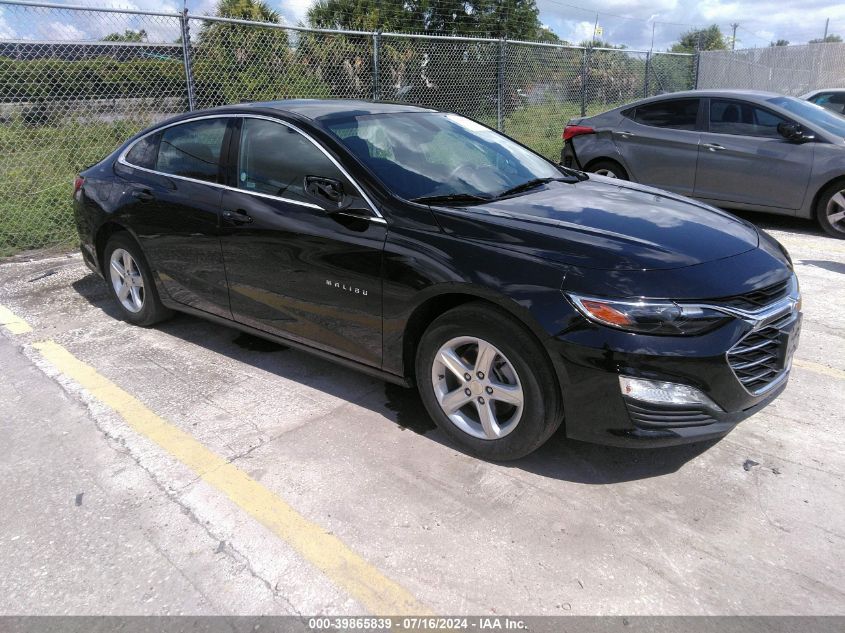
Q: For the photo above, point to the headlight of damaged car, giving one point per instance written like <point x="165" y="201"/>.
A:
<point x="660" y="317"/>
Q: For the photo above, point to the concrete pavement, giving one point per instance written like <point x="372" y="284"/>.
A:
<point x="753" y="524"/>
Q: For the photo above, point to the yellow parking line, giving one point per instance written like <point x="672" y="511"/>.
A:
<point x="13" y="322"/>
<point x="341" y="565"/>
<point x="819" y="369"/>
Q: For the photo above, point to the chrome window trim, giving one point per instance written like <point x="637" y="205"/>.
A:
<point x="377" y="217"/>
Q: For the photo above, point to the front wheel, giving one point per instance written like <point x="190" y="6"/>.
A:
<point x="487" y="382"/>
<point x="830" y="210"/>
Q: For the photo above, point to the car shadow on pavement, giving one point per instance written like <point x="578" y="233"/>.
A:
<point x="766" y="221"/>
<point x="560" y="458"/>
<point x="836" y="267"/>
<point x="584" y="463"/>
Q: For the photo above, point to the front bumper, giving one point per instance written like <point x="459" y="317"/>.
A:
<point x="593" y="357"/>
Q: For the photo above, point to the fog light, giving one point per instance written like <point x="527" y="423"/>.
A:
<point x="659" y="392"/>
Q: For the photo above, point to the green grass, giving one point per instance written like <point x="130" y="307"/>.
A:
<point x="38" y="164"/>
<point x="37" y="167"/>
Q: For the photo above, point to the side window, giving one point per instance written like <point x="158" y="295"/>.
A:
<point x="276" y="160"/>
<point x="143" y="152"/>
<point x="738" y="117"/>
<point x="192" y="149"/>
<point x="677" y="114"/>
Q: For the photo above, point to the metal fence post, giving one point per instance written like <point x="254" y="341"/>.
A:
<point x="696" y="67"/>
<point x="376" y="77"/>
<point x="186" y="58"/>
<point x="645" y="78"/>
<point x="500" y="88"/>
<point x="585" y="61"/>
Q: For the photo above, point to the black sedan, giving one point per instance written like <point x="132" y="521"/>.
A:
<point x="430" y="250"/>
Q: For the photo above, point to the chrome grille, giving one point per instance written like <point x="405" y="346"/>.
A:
<point x="756" y="359"/>
<point x="757" y="298"/>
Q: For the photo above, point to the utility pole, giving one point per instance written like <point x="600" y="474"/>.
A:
<point x="733" y="37"/>
<point x="826" y="24"/>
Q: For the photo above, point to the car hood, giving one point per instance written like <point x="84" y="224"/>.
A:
<point x="604" y="223"/>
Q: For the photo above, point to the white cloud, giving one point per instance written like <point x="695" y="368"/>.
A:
<point x="61" y="31"/>
<point x="6" y="31"/>
<point x="294" y="11"/>
<point x="580" y="31"/>
<point x="760" y="20"/>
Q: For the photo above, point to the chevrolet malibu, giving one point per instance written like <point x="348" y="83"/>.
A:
<point x="431" y="251"/>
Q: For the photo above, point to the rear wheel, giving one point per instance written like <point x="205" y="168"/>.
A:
<point x="609" y="168"/>
<point x="487" y="383"/>
<point x="131" y="282"/>
<point x="830" y="209"/>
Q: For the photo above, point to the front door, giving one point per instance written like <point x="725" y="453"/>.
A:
<point x="302" y="247"/>
<point x="744" y="160"/>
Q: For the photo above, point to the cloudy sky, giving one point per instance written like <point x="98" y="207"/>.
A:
<point x="627" y="22"/>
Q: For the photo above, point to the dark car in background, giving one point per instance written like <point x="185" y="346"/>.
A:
<point x="755" y="151"/>
<point x="427" y="249"/>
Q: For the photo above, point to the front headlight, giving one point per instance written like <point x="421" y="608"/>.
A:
<point x="665" y="318"/>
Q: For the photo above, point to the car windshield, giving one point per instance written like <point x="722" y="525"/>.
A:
<point x="421" y="155"/>
<point x="825" y="119"/>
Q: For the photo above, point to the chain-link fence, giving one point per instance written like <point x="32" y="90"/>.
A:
<point x="75" y="82"/>
<point x="791" y="70"/>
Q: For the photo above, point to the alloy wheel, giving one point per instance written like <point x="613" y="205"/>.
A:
<point x="477" y="387"/>
<point x="606" y="172"/>
<point x="836" y="211"/>
<point x="127" y="281"/>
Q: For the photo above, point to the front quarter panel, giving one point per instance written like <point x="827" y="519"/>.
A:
<point x="420" y="266"/>
<point x="828" y="165"/>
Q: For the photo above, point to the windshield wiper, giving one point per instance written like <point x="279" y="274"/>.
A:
<point x="530" y="184"/>
<point x="452" y="198"/>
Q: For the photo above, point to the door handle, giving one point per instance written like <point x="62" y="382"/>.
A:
<point x="627" y="134"/>
<point x="714" y="147"/>
<point x="143" y="195"/>
<point x="237" y="217"/>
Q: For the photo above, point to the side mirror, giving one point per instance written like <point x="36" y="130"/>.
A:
<point x="326" y="189"/>
<point x="794" y="133"/>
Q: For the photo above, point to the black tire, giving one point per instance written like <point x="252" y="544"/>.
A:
<point x="611" y="167"/>
<point x="152" y="310"/>
<point x="542" y="411"/>
<point x="836" y="229"/>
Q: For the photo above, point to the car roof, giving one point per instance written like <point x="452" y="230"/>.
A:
<point x="818" y="90"/>
<point x="317" y="109"/>
<point x="758" y="95"/>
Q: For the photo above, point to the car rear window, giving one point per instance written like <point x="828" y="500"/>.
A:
<point x="192" y="149"/>
<point x="144" y="151"/>
<point x="677" y="114"/>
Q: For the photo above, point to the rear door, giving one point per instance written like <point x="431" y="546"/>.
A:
<point x="302" y="244"/>
<point x="744" y="160"/>
<point x="173" y="193"/>
<point x="659" y="143"/>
